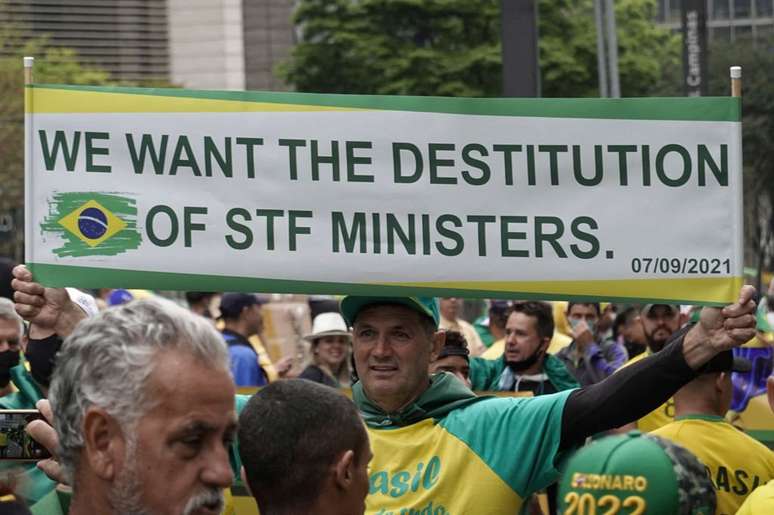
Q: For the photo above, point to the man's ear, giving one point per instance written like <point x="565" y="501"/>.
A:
<point x="720" y="380"/>
<point x="439" y="339"/>
<point x="770" y="391"/>
<point x="344" y="469"/>
<point x="104" y="443"/>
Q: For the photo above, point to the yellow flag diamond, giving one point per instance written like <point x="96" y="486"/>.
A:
<point x="92" y="223"/>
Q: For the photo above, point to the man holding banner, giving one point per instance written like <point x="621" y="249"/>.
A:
<point x="438" y="447"/>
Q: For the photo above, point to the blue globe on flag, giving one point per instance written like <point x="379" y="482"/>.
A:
<point x="92" y="223"/>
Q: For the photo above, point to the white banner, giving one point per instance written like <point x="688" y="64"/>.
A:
<point x="611" y="199"/>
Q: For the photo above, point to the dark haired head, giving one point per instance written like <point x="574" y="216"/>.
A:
<point x="194" y="297"/>
<point x="541" y="311"/>
<point x="498" y="312"/>
<point x="455" y="345"/>
<point x="595" y="305"/>
<point x="290" y="433"/>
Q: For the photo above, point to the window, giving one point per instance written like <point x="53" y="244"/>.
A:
<point x="764" y="7"/>
<point x="720" y="10"/>
<point x="742" y="8"/>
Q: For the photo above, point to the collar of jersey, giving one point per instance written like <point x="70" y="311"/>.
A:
<point x="446" y="393"/>
<point x="701" y="416"/>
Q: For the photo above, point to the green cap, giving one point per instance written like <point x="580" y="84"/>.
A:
<point x="636" y="471"/>
<point x="352" y="304"/>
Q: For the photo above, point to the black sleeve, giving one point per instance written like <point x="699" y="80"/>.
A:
<point x="629" y="394"/>
<point x="311" y="373"/>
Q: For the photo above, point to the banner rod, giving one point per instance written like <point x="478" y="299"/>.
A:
<point x="28" y="64"/>
<point x="736" y="81"/>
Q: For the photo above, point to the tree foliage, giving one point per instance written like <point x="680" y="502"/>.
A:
<point x="52" y="65"/>
<point x="757" y="62"/>
<point x="452" y="47"/>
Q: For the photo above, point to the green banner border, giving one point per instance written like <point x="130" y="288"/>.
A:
<point x="709" y="109"/>
<point x="92" y="277"/>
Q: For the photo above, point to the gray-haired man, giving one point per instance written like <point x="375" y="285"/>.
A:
<point x="144" y="408"/>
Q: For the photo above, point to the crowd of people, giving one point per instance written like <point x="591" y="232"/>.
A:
<point x="530" y="408"/>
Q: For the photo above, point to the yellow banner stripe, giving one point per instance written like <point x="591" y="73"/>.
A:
<point x="40" y="101"/>
<point x="719" y="290"/>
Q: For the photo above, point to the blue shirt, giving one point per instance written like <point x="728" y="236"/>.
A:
<point x="244" y="361"/>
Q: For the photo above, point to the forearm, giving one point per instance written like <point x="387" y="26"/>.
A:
<point x="627" y="395"/>
<point x="695" y="350"/>
<point x="70" y="316"/>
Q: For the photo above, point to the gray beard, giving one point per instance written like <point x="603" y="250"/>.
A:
<point x="125" y="495"/>
<point x="126" y="499"/>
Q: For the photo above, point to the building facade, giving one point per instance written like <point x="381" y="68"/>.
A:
<point x="127" y="38"/>
<point x="202" y="44"/>
<point x="727" y="20"/>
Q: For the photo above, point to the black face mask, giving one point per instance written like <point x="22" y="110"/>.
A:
<point x="41" y="354"/>
<point x="8" y="360"/>
<point x="519" y="366"/>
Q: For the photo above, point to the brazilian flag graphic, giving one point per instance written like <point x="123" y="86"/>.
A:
<point x="92" y="224"/>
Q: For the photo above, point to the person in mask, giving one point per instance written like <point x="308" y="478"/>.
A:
<point x="525" y="365"/>
<point x="11" y="332"/>
<point x="589" y="359"/>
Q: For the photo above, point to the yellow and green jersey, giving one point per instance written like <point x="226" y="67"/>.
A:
<point x="659" y="417"/>
<point x="453" y="453"/>
<point x="736" y="463"/>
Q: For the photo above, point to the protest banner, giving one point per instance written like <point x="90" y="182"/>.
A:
<point x="612" y="199"/>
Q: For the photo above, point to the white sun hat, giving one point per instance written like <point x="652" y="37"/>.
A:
<point x="327" y="324"/>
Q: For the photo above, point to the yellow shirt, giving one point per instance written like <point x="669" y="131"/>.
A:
<point x="756" y="420"/>
<point x="760" y="501"/>
<point x="660" y="416"/>
<point x="737" y="463"/>
<point x="558" y="342"/>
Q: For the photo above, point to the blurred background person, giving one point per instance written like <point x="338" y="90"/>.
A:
<point x="331" y="345"/>
<point x="628" y="331"/>
<point x="659" y="323"/>
<point x="559" y="340"/>
<point x="491" y="325"/>
<point x="450" y="308"/>
<point x="453" y="358"/>
<point x="588" y="358"/>
<point x="749" y="407"/>
<point x="241" y="315"/>
<point x="200" y="302"/>
<point x="525" y="366"/>
<point x="11" y="334"/>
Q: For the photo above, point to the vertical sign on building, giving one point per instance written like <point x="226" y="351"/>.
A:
<point x="521" y="72"/>
<point x="694" y="14"/>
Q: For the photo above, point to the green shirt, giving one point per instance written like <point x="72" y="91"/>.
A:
<point x="450" y="452"/>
